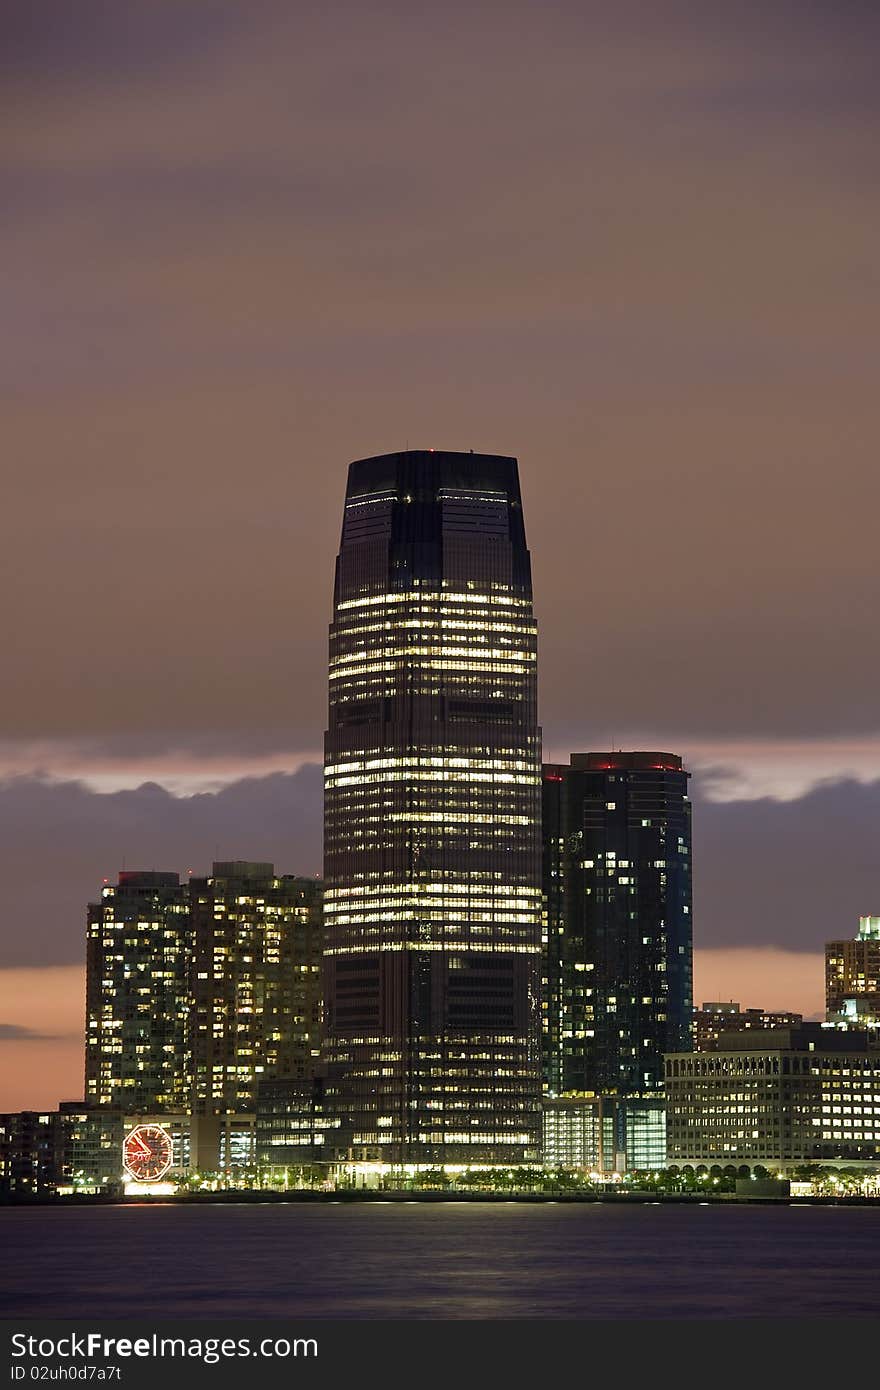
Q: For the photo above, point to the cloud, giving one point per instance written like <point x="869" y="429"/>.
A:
<point x="16" y="1032"/>
<point x="101" y="43"/>
<point x="792" y="873"/>
<point x="789" y="874"/>
<point x="59" y="841"/>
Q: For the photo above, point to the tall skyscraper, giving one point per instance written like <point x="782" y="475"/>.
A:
<point x="138" y="958"/>
<point x="256" y="982"/>
<point x="432" y="806"/>
<point x="618" y="989"/>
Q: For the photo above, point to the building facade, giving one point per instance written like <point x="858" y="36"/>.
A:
<point x="138" y="970"/>
<point x="807" y="1094"/>
<point x="605" y="1134"/>
<point x="293" y="1127"/>
<point x="29" y="1153"/>
<point x="618" y="935"/>
<point x="432" y="841"/>
<point x="256" y="982"/>
<point x="713" y="1019"/>
<point x="852" y="976"/>
<point x="204" y="1148"/>
<point x="89" y="1146"/>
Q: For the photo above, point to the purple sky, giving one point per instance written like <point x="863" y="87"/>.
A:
<point x="634" y="245"/>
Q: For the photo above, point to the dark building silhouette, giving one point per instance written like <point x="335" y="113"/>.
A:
<point x="432" y="841"/>
<point x="713" y="1019"/>
<point x="29" y="1148"/>
<point x="618" y="988"/>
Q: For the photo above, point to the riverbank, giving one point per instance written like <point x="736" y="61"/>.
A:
<point x="361" y="1195"/>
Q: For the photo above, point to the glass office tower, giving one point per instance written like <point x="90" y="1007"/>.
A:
<point x="432" y="817"/>
<point x="618" y="989"/>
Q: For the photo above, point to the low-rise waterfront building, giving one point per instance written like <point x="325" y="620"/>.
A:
<point x="28" y="1153"/>
<point x="776" y="1097"/>
<point x="604" y="1134"/>
<point x="89" y="1147"/>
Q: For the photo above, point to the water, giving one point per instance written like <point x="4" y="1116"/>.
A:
<point x="447" y="1261"/>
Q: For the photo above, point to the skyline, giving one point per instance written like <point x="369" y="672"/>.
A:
<point x="637" y="253"/>
<point x="733" y="967"/>
<point x="790" y="978"/>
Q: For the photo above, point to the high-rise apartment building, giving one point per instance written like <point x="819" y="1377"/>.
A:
<point x="618" y="989"/>
<point x="256" y="982"/>
<point x="432" y="806"/>
<point x="852" y="976"/>
<point x="138" y="962"/>
<point x="196" y="991"/>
